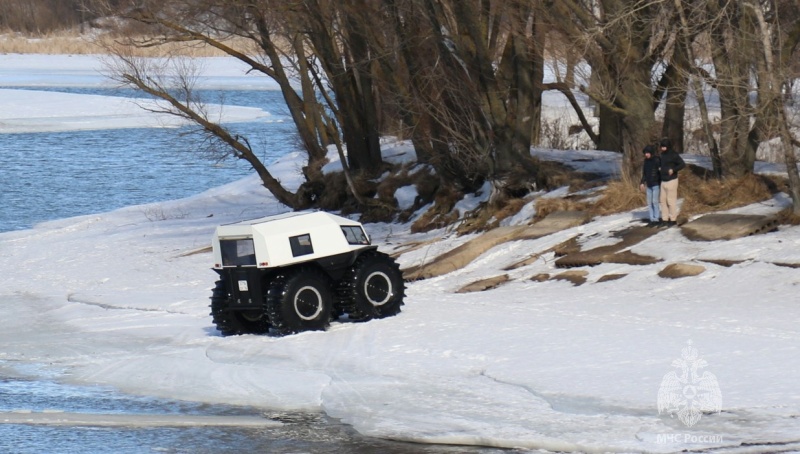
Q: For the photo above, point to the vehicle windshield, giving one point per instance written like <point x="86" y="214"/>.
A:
<point x="355" y="235"/>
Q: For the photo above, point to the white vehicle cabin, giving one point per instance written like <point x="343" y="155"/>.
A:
<point x="287" y="239"/>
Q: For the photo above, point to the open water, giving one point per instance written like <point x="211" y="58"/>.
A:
<point x="46" y="176"/>
<point x="297" y="433"/>
<point x="54" y="175"/>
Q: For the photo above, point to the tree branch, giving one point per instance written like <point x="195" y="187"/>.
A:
<point x="565" y="90"/>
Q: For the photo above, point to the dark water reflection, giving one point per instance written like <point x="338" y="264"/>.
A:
<point x="299" y="433"/>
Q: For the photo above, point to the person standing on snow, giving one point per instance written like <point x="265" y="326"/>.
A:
<point x="651" y="184"/>
<point x="671" y="164"/>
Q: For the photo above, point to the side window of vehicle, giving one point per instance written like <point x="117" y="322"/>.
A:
<point x="355" y="235"/>
<point x="301" y="245"/>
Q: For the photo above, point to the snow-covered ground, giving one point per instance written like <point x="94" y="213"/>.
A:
<point x="121" y="299"/>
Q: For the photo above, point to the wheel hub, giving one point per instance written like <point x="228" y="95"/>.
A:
<point x="308" y="303"/>
<point x="378" y="288"/>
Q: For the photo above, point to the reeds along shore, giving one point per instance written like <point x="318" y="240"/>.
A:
<point x="66" y="43"/>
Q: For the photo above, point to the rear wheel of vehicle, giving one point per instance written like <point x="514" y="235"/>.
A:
<point x="300" y="300"/>
<point x="373" y="287"/>
<point x="230" y="322"/>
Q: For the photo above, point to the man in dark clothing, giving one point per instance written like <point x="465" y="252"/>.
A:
<point x="671" y="164"/>
<point x="651" y="184"/>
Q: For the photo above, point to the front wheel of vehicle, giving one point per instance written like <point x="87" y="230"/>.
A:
<point x="373" y="287"/>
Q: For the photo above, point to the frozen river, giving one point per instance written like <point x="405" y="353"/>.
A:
<point x="119" y="300"/>
<point x="94" y="419"/>
<point x="51" y="175"/>
<point x="41" y="412"/>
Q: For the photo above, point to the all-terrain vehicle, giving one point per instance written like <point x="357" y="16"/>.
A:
<point x="298" y="271"/>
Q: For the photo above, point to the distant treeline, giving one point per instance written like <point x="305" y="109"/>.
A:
<point x="43" y="16"/>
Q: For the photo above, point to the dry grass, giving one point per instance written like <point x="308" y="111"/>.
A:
<point x="787" y="217"/>
<point x="701" y="195"/>
<point x="619" y="196"/>
<point x="508" y="202"/>
<point x="441" y="214"/>
<point x="509" y="209"/>
<point x="61" y="43"/>
<point x="545" y="206"/>
<point x="73" y="43"/>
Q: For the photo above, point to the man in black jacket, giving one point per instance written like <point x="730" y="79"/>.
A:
<point x="651" y="184"/>
<point x="671" y="164"/>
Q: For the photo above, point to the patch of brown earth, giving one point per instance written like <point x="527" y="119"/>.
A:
<point x="567" y="247"/>
<point x="577" y="277"/>
<point x="679" y="270"/>
<point x="631" y="258"/>
<point x="561" y="249"/>
<point x="789" y="265"/>
<point x="569" y="254"/>
<point x="723" y="262"/>
<point x="484" y="284"/>
<point x="611" y="277"/>
<point x="727" y="226"/>
<point x="464" y="254"/>
<point x="612" y="253"/>
<point x="408" y="247"/>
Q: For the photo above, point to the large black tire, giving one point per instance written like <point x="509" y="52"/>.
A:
<point x="373" y="287"/>
<point x="235" y="322"/>
<point x="300" y="300"/>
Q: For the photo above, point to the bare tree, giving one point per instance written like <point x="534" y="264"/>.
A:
<point x="338" y="36"/>
<point x="466" y="77"/>
<point x="695" y="76"/>
<point x="287" y="42"/>
<point x="734" y="50"/>
<point x="771" y="79"/>
<point x="621" y="46"/>
<point x="742" y="34"/>
<point x="39" y="16"/>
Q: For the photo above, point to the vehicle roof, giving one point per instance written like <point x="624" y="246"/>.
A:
<point x="315" y="214"/>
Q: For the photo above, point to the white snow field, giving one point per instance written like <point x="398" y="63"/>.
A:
<point x="121" y="299"/>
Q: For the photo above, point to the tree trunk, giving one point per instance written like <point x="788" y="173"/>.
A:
<point x="639" y="122"/>
<point x="609" y="129"/>
<point x="539" y="33"/>
<point x="349" y="74"/>
<point x="771" y="88"/>
<point x="303" y="119"/>
<point x="732" y="53"/>
<point x="675" y="102"/>
<point x="685" y="43"/>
